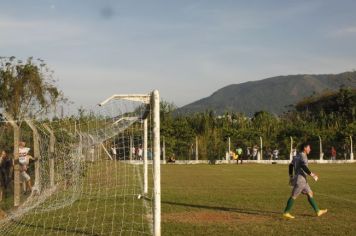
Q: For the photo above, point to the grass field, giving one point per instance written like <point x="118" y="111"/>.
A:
<point x="249" y="200"/>
<point x="198" y="200"/>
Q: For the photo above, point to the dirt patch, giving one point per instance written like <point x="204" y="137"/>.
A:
<point x="213" y="217"/>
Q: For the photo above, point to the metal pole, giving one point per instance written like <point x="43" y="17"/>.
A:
<point x="17" y="184"/>
<point x="259" y="157"/>
<point x="163" y="150"/>
<point x="321" y="154"/>
<point x="351" y="150"/>
<point x="229" y="148"/>
<point x="291" y="149"/>
<point x="51" y="154"/>
<point x="36" y="153"/>
<point x="156" y="165"/>
<point x="145" y="169"/>
<point x="131" y="147"/>
<point x="196" y="149"/>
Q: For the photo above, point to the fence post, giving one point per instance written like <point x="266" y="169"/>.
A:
<point x="291" y="149"/>
<point x="229" y="149"/>
<point x="17" y="184"/>
<point x="196" y="149"/>
<point x="260" y="153"/>
<point x="131" y="147"/>
<point x="321" y="154"/>
<point x="51" y="154"/>
<point x="36" y="153"/>
<point x="164" y="150"/>
<point x="351" y="150"/>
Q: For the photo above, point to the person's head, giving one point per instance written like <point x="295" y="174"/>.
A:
<point x="3" y="153"/>
<point x="305" y="147"/>
<point x="22" y="144"/>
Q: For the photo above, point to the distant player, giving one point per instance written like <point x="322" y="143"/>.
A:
<point x="299" y="181"/>
<point x="239" y="152"/>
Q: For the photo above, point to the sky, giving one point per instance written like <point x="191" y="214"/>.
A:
<point x="187" y="49"/>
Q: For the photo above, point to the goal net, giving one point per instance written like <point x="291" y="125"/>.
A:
<point x="89" y="174"/>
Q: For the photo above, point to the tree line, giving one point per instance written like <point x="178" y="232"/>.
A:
<point x="330" y="115"/>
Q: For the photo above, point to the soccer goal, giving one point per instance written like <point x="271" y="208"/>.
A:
<point x="97" y="173"/>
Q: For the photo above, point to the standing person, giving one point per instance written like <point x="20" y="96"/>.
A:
<point x="344" y="150"/>
<point x="140" y="152"/>
<point x="248" y="153"/>
<point x="239" y="152"/>
<point x="24" y="161"/>
<point x="275" y="154"/>
<point x="234" y="156"/>
<point x="113" y="151"/>
<point x="254" y="152"/>
<point x="299" y="182"/>
<point x="5" y="168"/>
<point x="333" y="153"/>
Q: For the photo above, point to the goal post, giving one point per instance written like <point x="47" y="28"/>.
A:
<point x="154" y="100"/>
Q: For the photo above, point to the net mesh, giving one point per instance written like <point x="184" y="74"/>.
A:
<point x="89" y="179"/>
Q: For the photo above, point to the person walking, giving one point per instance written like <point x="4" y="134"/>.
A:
<point x="299" y="181"/>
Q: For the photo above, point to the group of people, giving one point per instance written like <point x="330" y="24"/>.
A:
<point x="137" y="152"/>
<point x="6" y="169"/>
<point x="251" y="154"/>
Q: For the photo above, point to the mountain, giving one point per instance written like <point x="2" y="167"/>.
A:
<point x="273" y="94"/>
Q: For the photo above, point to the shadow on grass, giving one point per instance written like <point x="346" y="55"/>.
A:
<point x="232" y="209"/>
<point x="228" y="209"/>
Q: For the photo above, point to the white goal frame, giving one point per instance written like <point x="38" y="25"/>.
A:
<point x="153" y="99"/>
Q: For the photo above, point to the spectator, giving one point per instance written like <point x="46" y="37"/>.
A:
<point x="333" y="153"/>
<point x="172" y="159"/>
<point x="140" y="153"/>
<point x="5" y="169"/>
<point x="248" y="152"/>
<point x="113" y="151"/>
<point x="254" y="152"/>
<point x="24" y="161"/>
<point x="275" y="154"/>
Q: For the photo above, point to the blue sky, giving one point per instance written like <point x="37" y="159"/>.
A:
<point x="186" y="49"/>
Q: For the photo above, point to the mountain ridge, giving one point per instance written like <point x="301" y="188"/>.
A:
<point x="272" y="94"/>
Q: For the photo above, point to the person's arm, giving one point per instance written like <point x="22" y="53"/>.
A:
<point x="307" y="171"/>
<point x="290" y="170"/>
<point x="31" y="158"/>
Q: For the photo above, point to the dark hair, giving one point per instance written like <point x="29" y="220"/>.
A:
<point x="303" y="145"/>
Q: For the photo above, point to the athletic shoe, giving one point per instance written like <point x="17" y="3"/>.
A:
<point x="321" y="212"/>
<point x="288" y="215"/>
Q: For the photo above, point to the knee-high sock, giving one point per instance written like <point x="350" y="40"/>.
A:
<point x="289" y="205"/>
<point x="313" y="203"/>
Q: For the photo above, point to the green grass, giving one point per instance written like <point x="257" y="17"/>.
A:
<point x="199" y="200"/>
<point x="249" y="200"/>
<point x="106" y="204"/>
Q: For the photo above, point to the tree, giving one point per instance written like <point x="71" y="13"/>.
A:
<point x="27" y="89"/>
